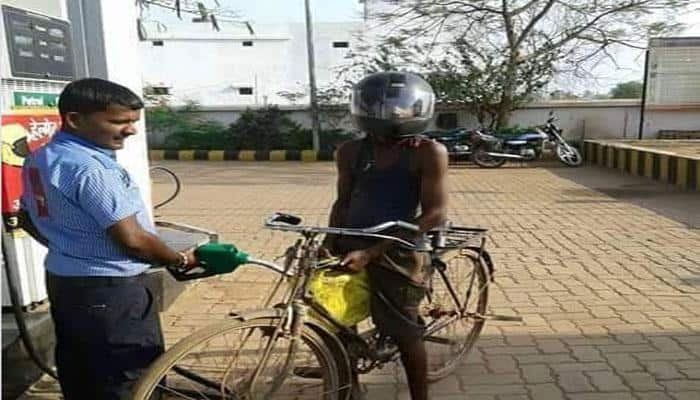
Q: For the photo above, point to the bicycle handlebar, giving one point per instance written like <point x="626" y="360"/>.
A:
<point x="289" y="223"/>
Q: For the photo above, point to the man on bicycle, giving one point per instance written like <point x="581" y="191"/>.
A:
<point x="387" y="176"/>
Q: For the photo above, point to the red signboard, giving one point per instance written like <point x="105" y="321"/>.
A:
<point x="21" y="134"/>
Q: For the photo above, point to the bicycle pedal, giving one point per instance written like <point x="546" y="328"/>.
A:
<point x="509" y="318"/>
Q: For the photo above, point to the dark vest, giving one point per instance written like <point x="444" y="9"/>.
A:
<point x="380" y="195"/>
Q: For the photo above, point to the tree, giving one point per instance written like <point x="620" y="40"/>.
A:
<point x="496" y="54"/>
<point x="213" y="14"/>
<point x="627" y="90"/>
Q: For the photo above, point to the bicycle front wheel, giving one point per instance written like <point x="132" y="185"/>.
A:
<point x="452" y="310"/>
<point x="244" y="360"/>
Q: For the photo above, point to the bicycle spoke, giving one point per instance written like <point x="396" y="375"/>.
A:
<point x="252" y="363"/>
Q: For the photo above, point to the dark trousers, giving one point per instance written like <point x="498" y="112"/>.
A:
<point x="107" y="334"/>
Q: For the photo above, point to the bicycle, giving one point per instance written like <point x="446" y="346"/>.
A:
<point x="280" y="352"/>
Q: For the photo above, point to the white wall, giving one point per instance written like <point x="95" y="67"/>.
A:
<point x="607" y="119"/>
<point x="121" y="46"/>
<point x="208" y="67"/>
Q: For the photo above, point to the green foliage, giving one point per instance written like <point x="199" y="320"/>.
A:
<point x="627" y="90"/>
<point x="270" y="129"/>
<point x="184" y="130"/>
<point x="265" y="129"/>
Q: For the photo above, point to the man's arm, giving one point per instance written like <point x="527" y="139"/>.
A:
<point x="144" y="245"/>
<point x="25" y="222"/>
<point x="433" y="197"/>
<point x="102" y="193"/>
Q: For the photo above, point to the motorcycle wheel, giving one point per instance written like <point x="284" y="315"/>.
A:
<point x="571" y="156"/>
<point x="484" y="160"/>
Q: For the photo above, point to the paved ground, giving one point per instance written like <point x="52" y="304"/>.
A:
<point x="604" y="269"/>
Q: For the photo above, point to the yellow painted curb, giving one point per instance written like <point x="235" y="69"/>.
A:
<point x="663" y="168"/>
<point x="156" y="155"/>
<point x="185" y="155"/>
<point x="648" y="165"/>
<point x="308" y="155"/>
<point x="621" y="159"/>
<point x="215" y="155"/>
<point x="278" y="155"/>
<point x="589" y="152"/>
<point x="634" y="162"/>
<point x="246" y="155"/>
<point x="682" y="172"/>
<point x="611" y="157"/>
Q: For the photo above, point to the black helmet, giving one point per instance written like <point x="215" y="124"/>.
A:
<point x="392" y="104"/>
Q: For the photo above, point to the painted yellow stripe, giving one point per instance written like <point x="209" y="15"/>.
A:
<point x="682" y="172"/>
<point x="185" y="155"/>
<point x="246" y="155"/>
<point x="634" y="162"/>
<point x="156" y="155"/>
<point x="278" y="155"/>
<point x="215" y="155"/>
<point x="663" y="168"/>
<point x="33" y="111"/>
<point x="308" y="155"/>
<point x="621" y="159"/>
<point x="611" y="157"/>
<point x="648" y="164"/>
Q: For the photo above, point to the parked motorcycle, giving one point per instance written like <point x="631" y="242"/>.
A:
<point x="456" y="141"/>
<point x="489" y="151"/>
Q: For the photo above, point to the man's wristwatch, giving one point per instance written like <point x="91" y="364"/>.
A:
<point x="183" y="260"/>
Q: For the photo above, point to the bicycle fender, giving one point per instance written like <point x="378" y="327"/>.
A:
<point x="487" y="259"/>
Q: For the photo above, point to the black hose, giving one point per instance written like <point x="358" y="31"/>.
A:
<point x="19" y="317"/>
<point x="178" y="185"/>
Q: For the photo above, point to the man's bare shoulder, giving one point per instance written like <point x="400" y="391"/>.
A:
<point x="431" y="151"/>
<point x="350" y="146"/>
<point x="348" y="151"/>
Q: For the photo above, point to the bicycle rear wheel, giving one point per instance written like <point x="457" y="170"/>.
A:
<point x="225" y="361"/>
<point x="457" y="290"/>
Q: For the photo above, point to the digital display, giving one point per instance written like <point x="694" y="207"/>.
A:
<point x="39" y="47"/>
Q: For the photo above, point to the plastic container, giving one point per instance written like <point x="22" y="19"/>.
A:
<point x="345" y="296"/>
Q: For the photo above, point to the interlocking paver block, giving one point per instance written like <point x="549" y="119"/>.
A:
<point x="602" y="266"/>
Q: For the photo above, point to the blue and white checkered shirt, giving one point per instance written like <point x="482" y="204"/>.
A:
<point x="73" y="192"/>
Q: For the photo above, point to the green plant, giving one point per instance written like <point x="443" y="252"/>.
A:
<point x="270" y="129"/>
<point x="183" y="129"/>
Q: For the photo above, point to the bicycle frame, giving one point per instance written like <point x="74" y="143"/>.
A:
<point x="305" y="251"/>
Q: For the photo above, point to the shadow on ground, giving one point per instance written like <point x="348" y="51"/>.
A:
<point x="662" y="198"/>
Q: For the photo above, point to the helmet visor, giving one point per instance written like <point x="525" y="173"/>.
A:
<point x="397" y="101"/>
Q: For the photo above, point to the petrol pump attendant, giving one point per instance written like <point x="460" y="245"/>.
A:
<point x="81" y="204"/>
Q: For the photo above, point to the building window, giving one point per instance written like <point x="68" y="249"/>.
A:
<point x="447" y="120"/>
<point x="245" y="91"/>
<point x="157" y="42"/>
<point x="341" y="45"/>
<point x="247" y="43"/>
